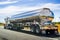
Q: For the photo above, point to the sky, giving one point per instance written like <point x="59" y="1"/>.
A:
<point x="12" y="7"/>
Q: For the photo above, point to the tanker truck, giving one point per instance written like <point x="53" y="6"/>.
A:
<point x="36" y="21"/>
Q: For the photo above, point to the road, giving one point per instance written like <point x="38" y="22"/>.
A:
<point x="6" y="34"/>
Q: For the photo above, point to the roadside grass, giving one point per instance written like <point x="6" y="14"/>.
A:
<point x="1" y="25"/>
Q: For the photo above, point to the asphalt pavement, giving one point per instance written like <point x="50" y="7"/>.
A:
<point x="6" y="34"/>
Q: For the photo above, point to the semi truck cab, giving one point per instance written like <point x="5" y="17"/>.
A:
<point x="49" y="27"/>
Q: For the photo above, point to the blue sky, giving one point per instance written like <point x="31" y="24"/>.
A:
<point x="12" y="7"/>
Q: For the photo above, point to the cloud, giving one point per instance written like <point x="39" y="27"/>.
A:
<point x="8" y="2"/>
<point x="56" y="19"/>
<point x="10" y="10"/>
<point x="52" y="6"/>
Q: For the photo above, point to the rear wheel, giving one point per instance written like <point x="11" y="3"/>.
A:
<point x="37" y="29"/>
<point x="55" y="32"/>
<point x="4" y="27"/>
<point x="32" y="28"/>
<point x="18" y="28"/>
<point x="47" y="32"/>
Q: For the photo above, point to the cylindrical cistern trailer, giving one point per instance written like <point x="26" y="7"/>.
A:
<point x="37" y="21"/>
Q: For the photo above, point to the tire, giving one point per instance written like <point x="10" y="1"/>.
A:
<point x="4" y="27"/>
<point x="42" y="32"/>
<point x="37" y="30"/>
<point x="33" y="29"/>
<point x="54" y="32"/>
<point x="18" y="28"/>
<point x="46" y="32"/>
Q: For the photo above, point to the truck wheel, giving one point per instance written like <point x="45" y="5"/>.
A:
<point x="52" y="32"/>
<point x="32" y="29"/>
<point x="18" y="28"/>
<point x="56" y="32"/>
<point x="4" y="27"/>
<point x="37" y="30"/>
<point x="46" y="32"/>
